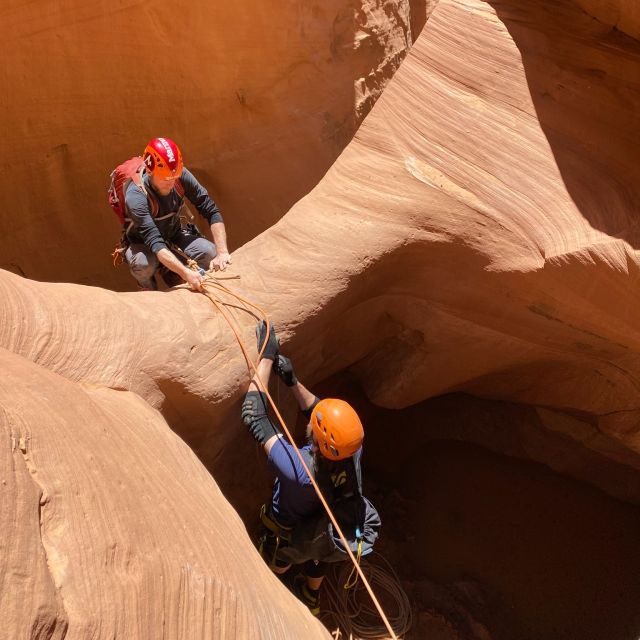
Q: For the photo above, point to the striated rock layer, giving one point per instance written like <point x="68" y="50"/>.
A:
<point x="113" y="529"/>
<point x="492" y="192"/>
<point x="479" y="234"/>
<point x="495" y="244"/>
<point x="262" y="97"/>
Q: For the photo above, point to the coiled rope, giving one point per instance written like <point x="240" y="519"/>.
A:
<point x="352" y="612"/>
<point x="214" y="281"/>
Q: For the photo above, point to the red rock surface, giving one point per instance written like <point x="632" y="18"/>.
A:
<point x="262" y="97"/>
<point x="479" y="234"/>
<point x="495" y="243"/>
<point x="621" y="14"/>
<point x="113" y="529"/>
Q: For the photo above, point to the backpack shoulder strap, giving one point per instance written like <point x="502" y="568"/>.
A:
<point x="347" y="479"/>
<point x="308" y="458"/>
<point x="357" y="470"/>
<point x="138" y="180"/>
<point x="179" y="187"/>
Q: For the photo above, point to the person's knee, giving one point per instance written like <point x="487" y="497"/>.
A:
<point x="202" y="251"/>
<point x="280" y="570"/>
<point x="208" y="254"/>
<point x="143" y="265"/>
<point x="315" y="569"/>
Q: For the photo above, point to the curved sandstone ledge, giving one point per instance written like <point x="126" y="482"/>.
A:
<point x="478" y="235"/>
<point x="113" y="528"/>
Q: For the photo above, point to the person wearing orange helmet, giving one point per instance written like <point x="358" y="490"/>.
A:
<point x="153" y="225"/>
<point x="332" y="453"/>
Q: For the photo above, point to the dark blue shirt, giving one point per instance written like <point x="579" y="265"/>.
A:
<point x="294" y="497"/>
<point x="155" y="232"/>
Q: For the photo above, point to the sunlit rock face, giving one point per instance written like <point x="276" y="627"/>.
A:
<point x="113" y="529"/>
<point x="262" y="97"/>
<point x="624" y="15"/>
<point x="479" y="234"/>
<point x="486" y="210"/>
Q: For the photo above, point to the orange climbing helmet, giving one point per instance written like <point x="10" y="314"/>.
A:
<point x="337" y="429"/>
<point x="163" y="159"/>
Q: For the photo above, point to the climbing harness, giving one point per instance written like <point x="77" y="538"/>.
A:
<point x="278" y="532"/>
<point x="211" y="280"/>
<point x="270" y="523"/>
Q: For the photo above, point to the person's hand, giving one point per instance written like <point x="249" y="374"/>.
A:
<point x="284" y="369"/>
<point x="220" y="262"/>
<point x="193" y="279"/>
<point x="271" y="348"/>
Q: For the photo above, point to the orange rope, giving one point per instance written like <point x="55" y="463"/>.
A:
<point x="192" y="264"/>
<point x="253" y="367"/>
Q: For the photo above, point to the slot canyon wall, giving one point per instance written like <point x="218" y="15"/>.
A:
<point x="111" y="528"/>
<point x="262" y="97"/>
<point x="624" y="15"/>
<point x="493" y="193"/>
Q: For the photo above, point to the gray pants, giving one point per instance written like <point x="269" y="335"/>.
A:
<point x="143" y="263"/>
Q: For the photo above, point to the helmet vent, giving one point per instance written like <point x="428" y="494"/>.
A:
<point x="337" y="429"/>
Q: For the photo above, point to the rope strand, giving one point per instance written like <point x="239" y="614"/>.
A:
<point x="252" y="367"/>
<point x="354" y="616"/>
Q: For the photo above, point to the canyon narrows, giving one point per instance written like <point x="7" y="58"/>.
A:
<point x="466" y="273"/>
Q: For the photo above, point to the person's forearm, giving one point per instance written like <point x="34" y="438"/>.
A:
<point x="264" y="372"/>
<point x="219" y="237"/>
<point x="167" y="258"/>
<point x="304" y="397"/>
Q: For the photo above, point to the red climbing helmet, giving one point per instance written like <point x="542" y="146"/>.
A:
<point x="163" y="159"/>
<point x="337" y="428"/>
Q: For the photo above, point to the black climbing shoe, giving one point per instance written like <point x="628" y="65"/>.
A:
<point x="272" y="346"/>
<point x="307" y="596"/>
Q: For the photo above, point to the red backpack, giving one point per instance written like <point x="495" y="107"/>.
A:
<point x="132" y="171"/>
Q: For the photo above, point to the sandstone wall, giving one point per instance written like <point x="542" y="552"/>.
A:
<point x="113" y="529"/>
<point x="492" y="193"/>
<point x="621" y="14"/>
<point x="262" y="97"/>
<point x="479" y="234"/>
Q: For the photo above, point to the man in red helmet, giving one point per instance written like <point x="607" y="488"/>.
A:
<point x="295" y="530"/>
<point x="153" y="225"/>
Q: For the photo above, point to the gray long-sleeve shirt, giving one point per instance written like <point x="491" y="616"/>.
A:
<point x="155" y="232"/>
